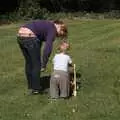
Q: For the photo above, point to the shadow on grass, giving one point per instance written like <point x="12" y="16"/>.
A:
<point x="45" y="83"/>
<point x="78" y="81"/>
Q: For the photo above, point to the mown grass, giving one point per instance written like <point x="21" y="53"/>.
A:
<point x="95" y="48"/>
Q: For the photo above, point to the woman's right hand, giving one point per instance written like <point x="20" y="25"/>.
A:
<point x="42" y="69"/>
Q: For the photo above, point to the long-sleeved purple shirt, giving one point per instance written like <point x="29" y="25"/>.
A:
<point x="45" y="31"/>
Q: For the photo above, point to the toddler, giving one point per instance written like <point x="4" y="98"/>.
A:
<point x="59" y="82"/>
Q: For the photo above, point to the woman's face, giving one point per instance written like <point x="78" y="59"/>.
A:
<point x="60" y="32"/>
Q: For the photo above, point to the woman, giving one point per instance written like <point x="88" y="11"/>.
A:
<point x="30" y="38"/>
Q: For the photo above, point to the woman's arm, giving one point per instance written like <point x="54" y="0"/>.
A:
<point x="47" y="48"/>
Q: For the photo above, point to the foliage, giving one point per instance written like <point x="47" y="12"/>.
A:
<point x="61" y="5"/>
<point x="80" y="5"/>
<point x="57" y="9"/>
<point x="31" y="10"/>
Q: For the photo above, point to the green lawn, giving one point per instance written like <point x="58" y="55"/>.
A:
<point x="95" y="48"/>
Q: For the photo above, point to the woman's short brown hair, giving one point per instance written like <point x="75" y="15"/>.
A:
<point x="58" y="22"/>
<point x="63" y="28"/>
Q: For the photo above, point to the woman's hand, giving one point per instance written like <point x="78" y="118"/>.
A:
<point x="42" y="69"/>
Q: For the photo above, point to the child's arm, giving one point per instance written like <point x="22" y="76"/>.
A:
<point x="70" y="61"/>
<point x="70" y="66"/>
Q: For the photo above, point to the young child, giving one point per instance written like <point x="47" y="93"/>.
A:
<point x="59" y="82"/>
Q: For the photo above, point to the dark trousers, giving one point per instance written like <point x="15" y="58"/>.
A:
<point x="30" y="48"/>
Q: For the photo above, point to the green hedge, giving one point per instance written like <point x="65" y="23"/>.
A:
<point x="24" y="15"/>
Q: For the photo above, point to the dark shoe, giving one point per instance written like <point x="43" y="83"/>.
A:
<point x="35" y="92"/>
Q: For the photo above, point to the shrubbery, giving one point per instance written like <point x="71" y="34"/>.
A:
<point x="62" y="9"/>
<point x="32" y="10"/>
<point x="45" y="14"/>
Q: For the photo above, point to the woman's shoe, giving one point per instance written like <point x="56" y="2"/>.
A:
<point x="35" y="92"/>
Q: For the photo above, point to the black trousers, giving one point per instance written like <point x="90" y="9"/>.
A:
<point x="30" y="47"/>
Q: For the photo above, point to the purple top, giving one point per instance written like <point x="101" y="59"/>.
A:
<point x="45" y="31"/>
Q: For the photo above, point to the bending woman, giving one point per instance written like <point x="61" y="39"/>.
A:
<point x="30" y="38"/>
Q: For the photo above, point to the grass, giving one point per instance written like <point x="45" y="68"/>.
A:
<point x="95" y="48"/>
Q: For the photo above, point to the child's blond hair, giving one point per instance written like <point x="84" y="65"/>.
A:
<point x="64" y="46"/>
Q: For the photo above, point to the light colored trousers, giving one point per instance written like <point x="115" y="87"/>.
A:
<point x="59" y="84"/>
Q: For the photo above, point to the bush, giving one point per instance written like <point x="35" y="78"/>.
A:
<point x="4" y="19"/>
<point x="32" y="10"/>
<point x="35" y="12"/>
